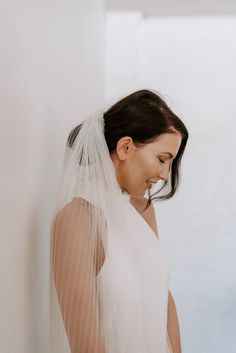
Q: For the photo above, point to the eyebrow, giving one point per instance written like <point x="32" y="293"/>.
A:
<point x="169" y="154"/>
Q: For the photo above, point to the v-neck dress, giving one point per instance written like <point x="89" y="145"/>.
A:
<point x="135" y="274"/>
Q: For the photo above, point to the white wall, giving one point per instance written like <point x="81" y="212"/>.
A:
<point x="52" y="76"/>
<point x="191" y="62"/>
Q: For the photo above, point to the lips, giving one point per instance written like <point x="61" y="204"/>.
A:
<point x="150" y="183"/>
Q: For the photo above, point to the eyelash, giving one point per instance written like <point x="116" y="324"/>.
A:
<point x="161" y="161"/>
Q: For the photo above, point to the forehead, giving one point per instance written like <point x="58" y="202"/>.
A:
<point x="166" y="143"/>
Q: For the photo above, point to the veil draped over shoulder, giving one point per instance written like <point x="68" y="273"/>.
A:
<point x="97" y="302"/>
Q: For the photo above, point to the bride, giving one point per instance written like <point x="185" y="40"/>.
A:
<point x="109" y="275"/>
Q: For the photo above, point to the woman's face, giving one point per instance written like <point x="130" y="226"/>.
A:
<point x="135" y="166"/>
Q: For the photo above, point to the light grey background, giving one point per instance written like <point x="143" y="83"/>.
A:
<point x="191" y="62"/>
<point x="52" y="57"/>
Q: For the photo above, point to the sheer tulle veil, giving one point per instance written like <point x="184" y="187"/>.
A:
<point x="90" y="213"/>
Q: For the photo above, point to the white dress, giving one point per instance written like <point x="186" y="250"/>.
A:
<point x="136" y="275"/>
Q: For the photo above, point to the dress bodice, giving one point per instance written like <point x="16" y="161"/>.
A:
<point x="133" y="288"/>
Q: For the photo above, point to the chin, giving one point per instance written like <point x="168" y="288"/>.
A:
<point x="139" y="194"/>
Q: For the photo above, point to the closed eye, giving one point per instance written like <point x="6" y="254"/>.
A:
<point x="161" y="160"/>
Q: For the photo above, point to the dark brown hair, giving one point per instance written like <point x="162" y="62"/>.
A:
<point x="143" y="115"/>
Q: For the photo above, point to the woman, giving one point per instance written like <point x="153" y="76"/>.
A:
<point x="109" y="276"/>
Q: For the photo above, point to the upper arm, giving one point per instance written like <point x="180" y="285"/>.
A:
<point x="173" y="328"/>
<point x="75" y="277"/>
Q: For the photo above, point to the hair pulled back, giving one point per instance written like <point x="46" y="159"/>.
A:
<point x="143" y="115"/>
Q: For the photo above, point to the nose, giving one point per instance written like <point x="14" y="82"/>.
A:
<point x="164" y="173"/>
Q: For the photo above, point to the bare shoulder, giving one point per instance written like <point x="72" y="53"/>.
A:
<point x="149" y="214"/>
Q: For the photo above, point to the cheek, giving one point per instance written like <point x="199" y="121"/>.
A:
<point x="147" y="166"/>
<point x="134" y="172"/>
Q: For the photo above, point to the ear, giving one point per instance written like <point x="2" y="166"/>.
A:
<point x="124" y="146"/>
